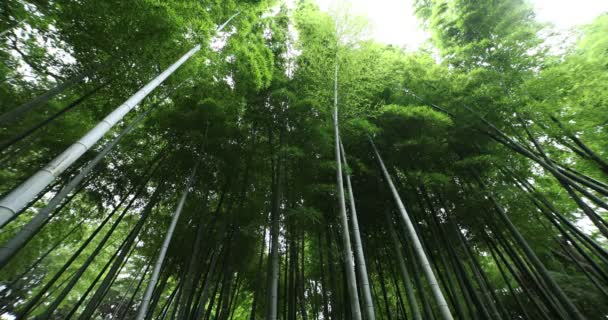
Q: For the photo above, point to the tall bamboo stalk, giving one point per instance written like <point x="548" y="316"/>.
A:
<point x="544" y="273"/>
<point x="272" y="297"/>
<point x="347" y="252"/>
<point x="24" y="193"/>
<point x="424" y="261"/>
<point x="25" y="310"/>
<point x="87" y="313"/>
<point x="409" y="290"/>
<point x="11" y="247"/>
<point x="22" y="135"/>
<point x="368" y="304"/>
<point x="12" y="27"/>
<point x="145" y="303"/>
<point x="14" y="114"/>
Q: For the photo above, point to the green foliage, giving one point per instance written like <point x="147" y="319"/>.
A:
<point x="254" y="106"/>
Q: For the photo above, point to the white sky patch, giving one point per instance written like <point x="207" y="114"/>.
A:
<point x="394" y="22"/>
<point x="565" y="14"/>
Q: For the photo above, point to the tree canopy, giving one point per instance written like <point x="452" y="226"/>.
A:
<point x="257" y="159"/>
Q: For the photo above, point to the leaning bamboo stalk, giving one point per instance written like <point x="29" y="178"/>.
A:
<point x="14" y="114"/>
<point x="12" y="27"/>
<point x="145" y="303"/>
<point x="21" y="196"/>
<point x="34" y="301"/>
<point x="555" y="289"/>
<point x="424" y="261"/>
<point x="10" y="248"/>
<point x="368" y="304"/>
<point x="409" y="289"/>
<point x="24" y="134"/>
<point x="88" y="311"/>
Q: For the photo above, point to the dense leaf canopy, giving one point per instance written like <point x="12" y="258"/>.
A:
<point x="496" y="146"/>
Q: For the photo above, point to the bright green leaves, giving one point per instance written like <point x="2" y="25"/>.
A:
<point x="263" y="102"/>
<point x="473" y="33"/>
<point x="417" y="135"/>
<point x="253" y="63"/>
<point x="594" y="45"/>
<point x="248" y="53"/>
<point x="573" y="89"/>
<point x="413" y="119"/>
<point x="359" y="128"/>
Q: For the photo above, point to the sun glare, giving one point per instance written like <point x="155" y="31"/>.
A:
<point x="394" y="22"/>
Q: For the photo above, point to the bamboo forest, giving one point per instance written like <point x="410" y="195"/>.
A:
<point x="269" y="159"/>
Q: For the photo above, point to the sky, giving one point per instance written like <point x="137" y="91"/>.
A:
<point x="393" y="21"/>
